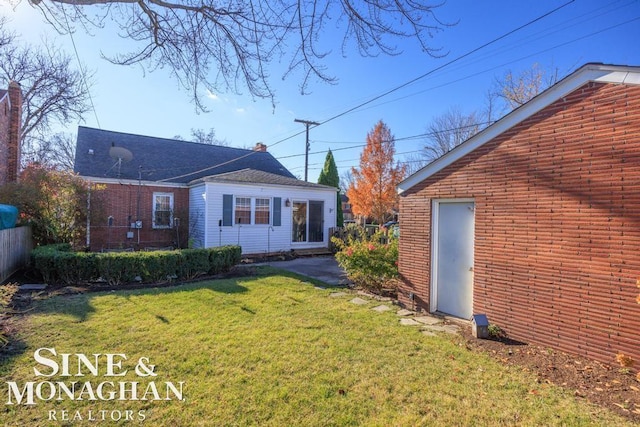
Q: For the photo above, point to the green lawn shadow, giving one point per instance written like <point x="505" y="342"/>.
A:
<point x="79" y="306"/>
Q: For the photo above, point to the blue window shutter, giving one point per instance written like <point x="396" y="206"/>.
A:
<point x="277" y="211"/>
<point x="227" y="210"/>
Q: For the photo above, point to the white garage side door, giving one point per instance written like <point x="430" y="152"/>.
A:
<point x="452" y="261"/>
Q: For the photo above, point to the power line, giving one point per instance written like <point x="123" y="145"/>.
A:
<point x="395" y="89"/>
<point x="446" y="64"/>
<point x="82" y="74"/>
<point x="360" y="144"/>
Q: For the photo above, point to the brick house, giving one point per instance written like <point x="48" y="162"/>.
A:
<point x="535" y="221"/>
<point x="10" y="122"/>
<point x="347" y="213"/>
<point x="158" y="192"/>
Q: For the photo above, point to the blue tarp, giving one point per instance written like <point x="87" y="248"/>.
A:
<point x="8" y="216"/>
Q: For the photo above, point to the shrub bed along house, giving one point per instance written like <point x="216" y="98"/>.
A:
<point x="58" y="264"/>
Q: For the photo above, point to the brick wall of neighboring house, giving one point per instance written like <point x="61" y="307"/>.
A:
<point x="10" y="122"/>
<point x="557" y="225"/>
<point x="120" y="201"/>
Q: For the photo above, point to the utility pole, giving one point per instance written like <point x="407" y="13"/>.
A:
<point x="306" y="123"/>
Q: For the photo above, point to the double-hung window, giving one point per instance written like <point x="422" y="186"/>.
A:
<point x="243" y="210"/>
<point x="261" y="212"/>
<point x="247" y="210"/>
<point x="162" y="210"/>
<point x="252" y="210"/>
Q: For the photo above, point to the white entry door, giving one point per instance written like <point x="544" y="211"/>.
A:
<point x="452" y="258"/>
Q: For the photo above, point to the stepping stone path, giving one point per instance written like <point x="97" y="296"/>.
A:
<point x="404" y="312"/>
<point x="428" y="320"/>
<point x="429" y="325"/>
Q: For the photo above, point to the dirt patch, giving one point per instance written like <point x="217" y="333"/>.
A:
<point x="605" y="385"/>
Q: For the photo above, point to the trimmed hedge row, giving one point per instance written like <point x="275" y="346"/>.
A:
<point x="59" y="265"/>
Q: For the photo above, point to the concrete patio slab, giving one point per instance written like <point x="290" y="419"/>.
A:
<point x="323" y="268"/>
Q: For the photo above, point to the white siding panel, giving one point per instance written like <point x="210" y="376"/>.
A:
<point x="197" y="217"/>
<point x="259" y="239"/>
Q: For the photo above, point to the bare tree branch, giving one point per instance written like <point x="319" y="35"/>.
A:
<point x="449" y="130"/>
<point x="228" y="45"/>
<point x="53" y="91"/>
<point x="57" y="150"/>
<point x="517" y="89"/>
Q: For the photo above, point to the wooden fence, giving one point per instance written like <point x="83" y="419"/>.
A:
<point x="15" y="246"/>
<point x="355" y="232"/>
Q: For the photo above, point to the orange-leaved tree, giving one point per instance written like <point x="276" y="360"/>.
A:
<point x="372" y="192"/>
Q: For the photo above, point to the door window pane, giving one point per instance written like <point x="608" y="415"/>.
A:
<point x="316" y="221"/>
<point x="299" y="222"/>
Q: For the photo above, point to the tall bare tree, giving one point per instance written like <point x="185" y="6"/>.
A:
<point x="449" y="130"/>
<point x="516" y="89"/>
<point x="346" y="179"/>
<point x="204" y="137"/>
<point x="54" y="92"/>
<point x="57" y="150"/>
<point x="228" y="45"/>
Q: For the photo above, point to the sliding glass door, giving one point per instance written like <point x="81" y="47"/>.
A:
<point x="308" y="221"/>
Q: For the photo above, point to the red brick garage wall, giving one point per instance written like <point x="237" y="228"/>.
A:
<point x="557" y="225"/>
<point x="121" y="202"/>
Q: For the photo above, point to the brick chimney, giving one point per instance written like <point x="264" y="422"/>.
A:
<point x="15" y="120"/>
<point x="260" y="147"/>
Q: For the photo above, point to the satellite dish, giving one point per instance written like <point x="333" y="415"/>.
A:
<point x="120" y="153"/>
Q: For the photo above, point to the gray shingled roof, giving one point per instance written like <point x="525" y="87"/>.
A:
<point x="162" y="159"/>
<point x="252" y="176"/>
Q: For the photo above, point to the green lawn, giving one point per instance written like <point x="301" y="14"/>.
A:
<point x="274" y="350"/>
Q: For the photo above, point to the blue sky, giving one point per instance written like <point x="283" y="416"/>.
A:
<point x="128" y="99"/>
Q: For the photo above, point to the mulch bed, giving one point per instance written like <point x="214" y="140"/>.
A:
<point x="605" y="385"/>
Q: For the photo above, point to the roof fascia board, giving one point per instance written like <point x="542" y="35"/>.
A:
<point x="590" y="72"/>
<point x="279" y="186"/>
<point x="132" y="182"/>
